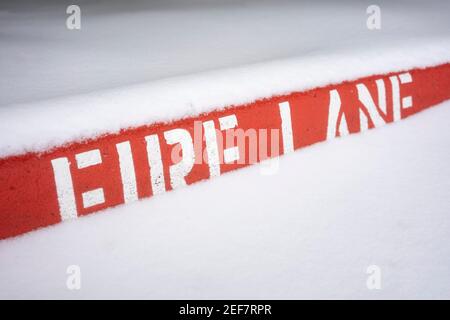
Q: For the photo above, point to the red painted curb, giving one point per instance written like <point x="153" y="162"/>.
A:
<point x="38" y="190"/>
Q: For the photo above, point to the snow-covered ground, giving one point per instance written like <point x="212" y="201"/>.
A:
<point x="124" y="43"/>
<point x="138" y="62"/>
<point x="309" y="231"/>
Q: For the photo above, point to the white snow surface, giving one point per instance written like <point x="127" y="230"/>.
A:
<point x="310" y="231"/>
<point x="135" y="63"/>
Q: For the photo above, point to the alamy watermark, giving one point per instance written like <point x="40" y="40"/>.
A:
<point x="373" y="281"/>
<point x="374" y="17"/>
<point x="73" y="281"/>
<point x="73" y="21"/>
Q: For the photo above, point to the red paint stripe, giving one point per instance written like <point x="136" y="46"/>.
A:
<point x="28" y="191"/>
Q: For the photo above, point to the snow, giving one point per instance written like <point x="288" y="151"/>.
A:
<point x="138" y="63"/>
<point x="308" y="231"/>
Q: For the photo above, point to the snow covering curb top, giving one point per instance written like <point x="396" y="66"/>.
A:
<point x="42" y="125"/>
